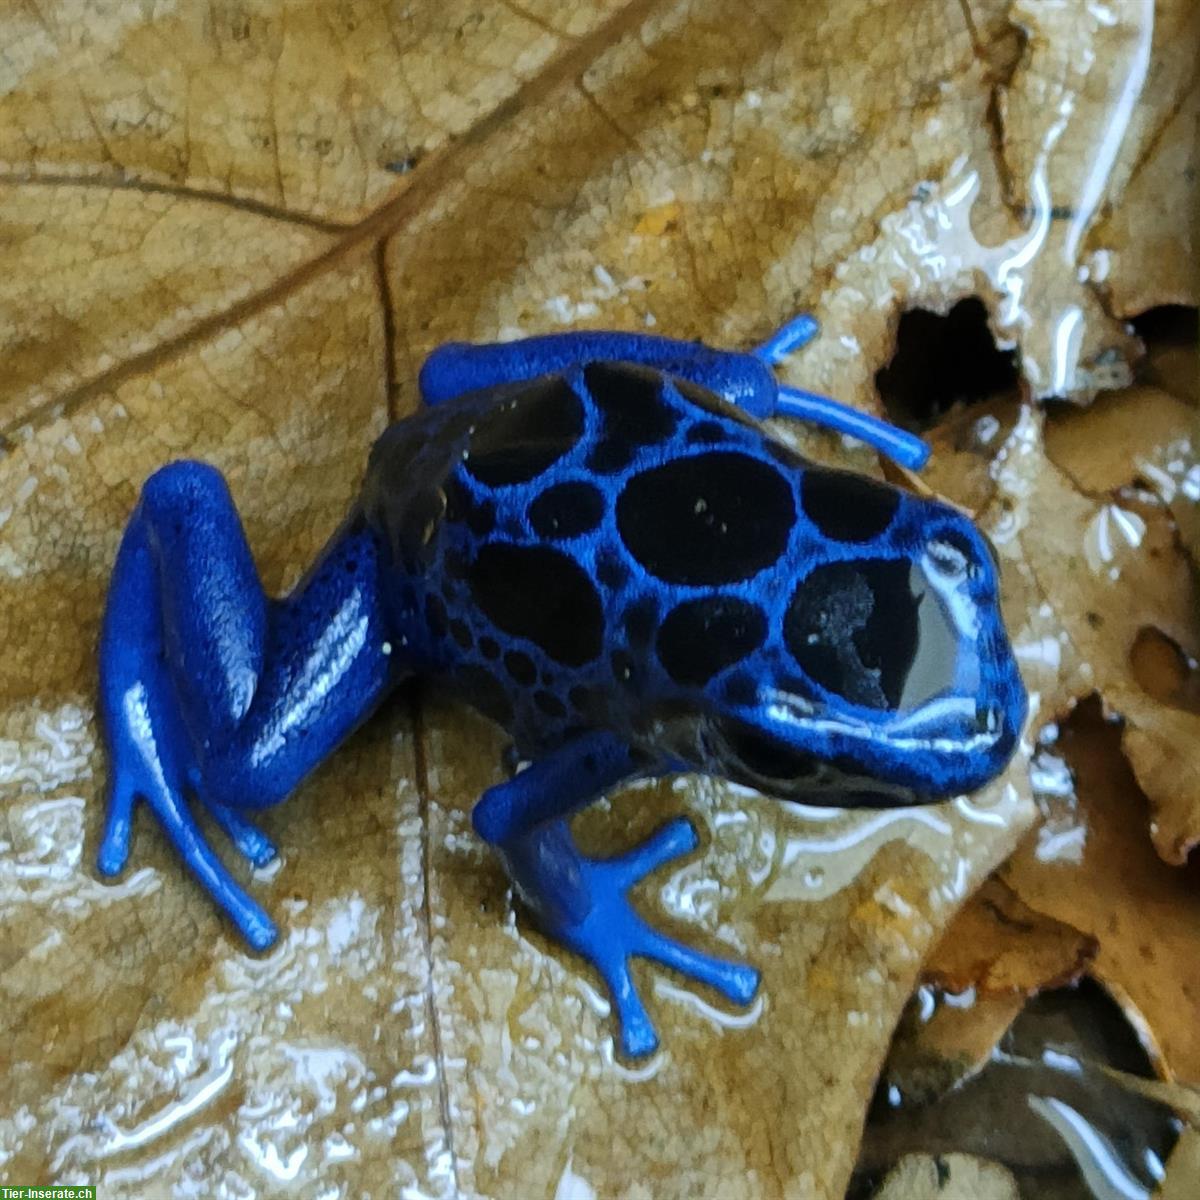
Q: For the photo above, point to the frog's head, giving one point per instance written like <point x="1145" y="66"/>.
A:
<point x="884" y="672"/>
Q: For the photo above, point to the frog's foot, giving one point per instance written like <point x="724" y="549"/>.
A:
<point x="166" y="801"/>
<point x="611" y="933"/>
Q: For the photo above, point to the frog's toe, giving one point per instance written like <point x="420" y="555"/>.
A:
<point x="638" y="1035"/>
<point x="252" y="844"/>
<point x="113" y="852"/>
<point x="735" y="981"/>
<point x="612" y="933"/>
<point x="675" y="839"/>
<point x="789" y="337"/>
<point x="165" y="798"/>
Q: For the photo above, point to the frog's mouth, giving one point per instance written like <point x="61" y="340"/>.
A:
<point x="750" y="756"/>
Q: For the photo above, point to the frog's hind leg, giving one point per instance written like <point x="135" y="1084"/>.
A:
<point x="208" y="687"/>
<point x="150" y="752"/>
<point x="583" y="902"/>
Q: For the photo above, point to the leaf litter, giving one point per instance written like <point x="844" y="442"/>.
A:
<point x="239" y="247"/>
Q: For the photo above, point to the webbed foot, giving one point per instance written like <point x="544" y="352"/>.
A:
<point x="611" y="933"/>
<point x="141" y="779"/>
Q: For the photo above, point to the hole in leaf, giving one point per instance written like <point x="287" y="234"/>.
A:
<point x="1172" y="337"/>
<point x="1170" y="323"/>
<point x="941" y="362"/>
<point x="1164" y="671"/>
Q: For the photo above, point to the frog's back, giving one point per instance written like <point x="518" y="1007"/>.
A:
<point x="587" y="548"/>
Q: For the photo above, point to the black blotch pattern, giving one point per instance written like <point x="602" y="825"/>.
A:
<point x="550" y="704"/>
<point x="847" y="507"/>
<point x="783" y="454"/>
<point x="460" y="631"/>
<point x="587" y="702"/>
<point x="713" y="518"/>
<point x="542" y="595"/>
<point x="520" y="438"/>
<point x="489" y="647"/>
<point x="611" y="571"/>
<point x="566" y="510"/>
<point x="520" y="667"/>
<point x="766" y="756"/>
<point x="608" y="457"/>
<point x="462" y="508"/>
<point x="485" y="692"/>
<point x="640" y="620"/>
<point x="699" y="638"/>
<point x="435" y="614"/>
<point x="852" y="627"/>
<point x="630" y="398"/>
<point x="706" y="432"/>
<point x="482" y="518"/>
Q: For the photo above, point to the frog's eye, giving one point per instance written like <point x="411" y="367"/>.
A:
<point x="853" y="628"/>
<point x="764" y="756"/>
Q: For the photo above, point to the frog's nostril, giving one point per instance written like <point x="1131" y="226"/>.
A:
<point x="949" y="556"/>
<point x="988" y="718"/>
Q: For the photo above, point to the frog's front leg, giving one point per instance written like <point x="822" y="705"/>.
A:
<point x="209" y="687"/>
<point x="582" y="901"/>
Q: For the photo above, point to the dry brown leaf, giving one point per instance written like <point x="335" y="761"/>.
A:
<point x="1121" y="140"/>
<point x="994" y="955"/>
<point x="232" y="232"/>
<point x="1182" y="1181"/>
<point x="997" y="946"/>
<point x="934" y="1051"/>
<point x="1092" y="574"/>
<point x="947" y="1177"/>
<point x="1089" y="866"/>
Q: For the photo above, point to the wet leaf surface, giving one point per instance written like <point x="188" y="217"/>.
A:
<point x="232" y="232"/>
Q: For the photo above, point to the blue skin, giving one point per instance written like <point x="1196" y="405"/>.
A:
<point x="617" y="565"/>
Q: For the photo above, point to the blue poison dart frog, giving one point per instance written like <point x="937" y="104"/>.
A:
<point x="592" y="538"/>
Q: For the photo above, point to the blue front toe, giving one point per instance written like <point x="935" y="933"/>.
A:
<point x="611" y="933"/>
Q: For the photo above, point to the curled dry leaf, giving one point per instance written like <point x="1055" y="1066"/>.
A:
<point x="232" y="232"/>
<point x="1183" y="1170"/>
<point x="947" y="1177"/>
<point x="994" y="955"/>
<point x="998" y="946"/>
<point x="1089" y="866"/>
